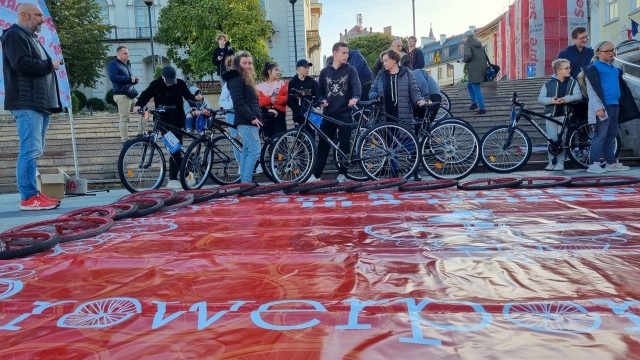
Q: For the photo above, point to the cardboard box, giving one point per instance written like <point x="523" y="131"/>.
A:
<point x="51" y="182"/>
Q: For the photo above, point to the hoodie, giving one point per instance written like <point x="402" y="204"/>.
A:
<point x="203" y="102"/>
<point x="337" y="87"/>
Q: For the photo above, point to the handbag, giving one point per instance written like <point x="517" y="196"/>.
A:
<point x="492" y="70"/>
<point x="131" y="92"/>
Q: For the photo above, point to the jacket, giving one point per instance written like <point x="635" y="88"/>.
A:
<point x="281" y="98"/>
<point x="417" y="59"/>
<point x="25" y="73"/>
<point x="245" y="99"/>
<point x="628" y="109"/>
<point x="168" y="96"/>
<point x="550" y="90"/>
<point x="120" y="75"/>
<point x="204" y="103"/>
<point x="309" y="87"/>
<point x="224" y="52"/>
<point x="405" y="61"/>
<point x="476" y="59"/>
<point x="428" y="86"/>
<point x="358" y="61"/>
<point x="578" y="59"/>
<point x="408" y="91"/>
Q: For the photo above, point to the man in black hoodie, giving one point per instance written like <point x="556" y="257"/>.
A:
<point x="304" y="85"/>
<point x="339" y="90"/>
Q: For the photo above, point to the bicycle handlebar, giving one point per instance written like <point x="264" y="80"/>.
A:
<point x="160" y="109"/>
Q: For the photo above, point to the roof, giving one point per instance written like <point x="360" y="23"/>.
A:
<point x="452" y="43"/>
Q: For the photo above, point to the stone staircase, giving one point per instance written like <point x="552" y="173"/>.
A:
<point x="98" y="139"/>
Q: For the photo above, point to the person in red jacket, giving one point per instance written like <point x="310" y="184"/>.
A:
<point x="273" y="95"/>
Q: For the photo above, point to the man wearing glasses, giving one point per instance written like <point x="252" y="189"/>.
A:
<point x="579" y="56"/>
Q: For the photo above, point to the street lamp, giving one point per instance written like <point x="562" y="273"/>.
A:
<point x="414" y="17"/>
<point x="149" y="3"/>
<point x="295" y="44"/>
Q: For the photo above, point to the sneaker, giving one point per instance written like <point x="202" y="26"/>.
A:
<point x="559" y="167"/>
<point x="481" y="112"/>
<point x="341" y="178"/>
<point x="50" y="199"/>
<point x="38" y="202"/>
<point x="617" y="166"/>
<point x="596" y="169"/>
<point x="173" y="184"/>
<point x="190" y="180"/>
<point x="258" y="169"/>
<point x="550" y="167"/>
<point x="313" y="178"/>
<point x="473" y="106"/>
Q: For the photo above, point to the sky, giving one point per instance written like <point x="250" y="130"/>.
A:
<point x="450" y="17"/>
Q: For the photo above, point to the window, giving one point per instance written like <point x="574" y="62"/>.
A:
<point x="445" y="53"/>
<point x="104" y="11"/>
<point x="439" y="72"/>
<point x="449" y="71"/>
<point x="142" y="18"/>
<point x="612" y="9"/>
<point x="635" y="4"/>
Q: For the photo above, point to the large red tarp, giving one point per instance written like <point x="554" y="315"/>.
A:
<point x="513" y="274"/>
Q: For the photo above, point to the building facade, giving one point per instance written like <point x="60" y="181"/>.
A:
<point x="612" y="20"/>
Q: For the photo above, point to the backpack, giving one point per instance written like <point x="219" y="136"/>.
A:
<point x="583" y="84"/>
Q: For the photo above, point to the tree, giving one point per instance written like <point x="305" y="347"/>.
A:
<point x="189" y="29"/>
<point x="372" y="45"/>
<point x="81" y="33"/>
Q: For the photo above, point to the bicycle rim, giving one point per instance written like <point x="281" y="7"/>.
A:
<point x="293" y="157"/>
<point x="388" y="151"/>
<point x="141" y="165"/>
<point x="26" y="243"/>
<point x="450" y="151"/>
<point x="196" y="164"/>
<point x="225" y="168"/>
<point x="498" y="157"/>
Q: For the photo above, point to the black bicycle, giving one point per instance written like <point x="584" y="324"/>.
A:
<point x="507" y="148"/>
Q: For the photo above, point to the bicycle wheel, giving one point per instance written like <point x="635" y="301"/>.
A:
<point x="225" y="169"/>
<point x="579" y="143"/>
<point x="606" y="180"/>
<point x="124" y="210"/>
<point x="100" y="211"/>
<point x="26" y="243"/>
<point x="162" y="194"/>
<point x="202" y="195"/>
<point x="442" y="114"/>
<point x="271" y="188"/>
<point x="293" y="156"/>
<point x="490" y="184"/>
<point x="302" y="188"/>
<point x="141" y="165"/>
<point x="450" y="150"/>
<point x="445" y="101"/>
<point x="183" y="199"/>
<point x="503" y="151"/>
<point x="69" y="229"/>
<point x="196" y="164"/>
<point x="354" y="172"/>
<point x="347" y="186"/>
<point x="541" y="182"/>
<point x="428" y="185"/>
<point x="233" y="189"/>
<point x="146" y="206"/>
<point x="380" y="184"/>
<point x="265" y="157"/>
<point x="388" y="151"/>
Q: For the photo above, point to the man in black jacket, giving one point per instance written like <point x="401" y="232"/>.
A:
<point x="167" y="90"/>
<point x="306" y="87"/>
<point x="31" y="94"/>
<point x="223" y="50"/>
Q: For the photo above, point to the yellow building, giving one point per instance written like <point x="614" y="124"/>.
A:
<point x="610" y="19"/>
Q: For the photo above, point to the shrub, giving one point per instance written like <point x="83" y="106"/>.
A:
<point x="96" y="104"/>
<point x="109" y="98"/>
<point x="82" y="98"/>
<point x="75" y="103"/>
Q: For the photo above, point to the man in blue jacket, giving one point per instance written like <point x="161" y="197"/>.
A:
<point x="579" y="56"/>
<point x="119" y="71"/>
<point x="31" y="94"/>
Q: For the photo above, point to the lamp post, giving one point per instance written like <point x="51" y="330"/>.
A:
<point x="295" y="44"/>
<point x="414" y="16"/>
<point x="149" y="3"/>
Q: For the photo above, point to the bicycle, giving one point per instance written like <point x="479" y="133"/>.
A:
<point x="141" y="163"/>
<point x="507" y="148"/>
<point x="385" y="150"/>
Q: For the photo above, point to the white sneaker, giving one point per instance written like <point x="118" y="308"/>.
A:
<point x="617" y="166"/>
<point x="173" y="184"/>
<point x="312" y="178"/>
<point x="258" y="169"/>
<point x="341" y="178"/>
<point x="595" y="168"/>
<point x="550" y="167"/>
<point x="191" y="182"/>
<point x="559" y="167"/>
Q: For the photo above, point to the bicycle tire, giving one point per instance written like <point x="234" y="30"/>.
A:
<point x="450" y="150"/>
<point x="428" y="185"/>
<point x="293" y="156"/>
<point x="233" y="189"/>
<point x="380" y="184"/>
<point x="162" y="194"/>
<point x="124" y="210"/>
<point x="225" y="169"/>
<point x="146" y="206"/>
<point x="603" y="180"/>
<point x="302" y="188"/>
<point x="542" y="182"/>
<point x="354" y="172"/>
<point x="396" y="156"/>
<point x="490" y="183"/>
<point x="183" y="199"/>
<point x="69" y="229"/>
<point x="100" y="211"/>
<point x="196" y="164"/>
<point x="445" y="100"/>
<point x="579" y="145"/>
<point x="442" y="114"/>
<point x="505" y="160"/>
<point x="271" y="188"/>
<point x="265" y="156"/>
<point x="141" y="165"/>
<point x="202" y="195"/>
<point x="347" y="186"/>
<point x="26" y="243"/>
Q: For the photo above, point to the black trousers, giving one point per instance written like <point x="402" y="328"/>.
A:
<point x="344" y="139"/>
<point x="274" y="125"/>
<point x="175" y="160"/>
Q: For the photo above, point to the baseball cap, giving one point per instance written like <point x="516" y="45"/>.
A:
<point x="169" y="74"/>
<point x="304" y="63"/>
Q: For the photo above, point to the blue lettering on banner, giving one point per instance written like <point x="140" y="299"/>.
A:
<point x="265" y="308"/>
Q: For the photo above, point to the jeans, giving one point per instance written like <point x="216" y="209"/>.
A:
<point x="234" y="133"/>
<point x="250" y="151"/>
<point x="475" y="92"/>
<point x="604" y="139"/>
<point x="32" y="129"/>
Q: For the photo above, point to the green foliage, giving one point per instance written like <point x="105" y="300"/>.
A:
<point x="81" y="98"/>
<point x="371" y="46"/>
<point x="109" y="98"/>
<point x="75" y="103"/>
<point x="190" y="30"/>
<point x="158" y="72"/>
<point x="81" y="32"/>
<point x="96" y="104"/>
